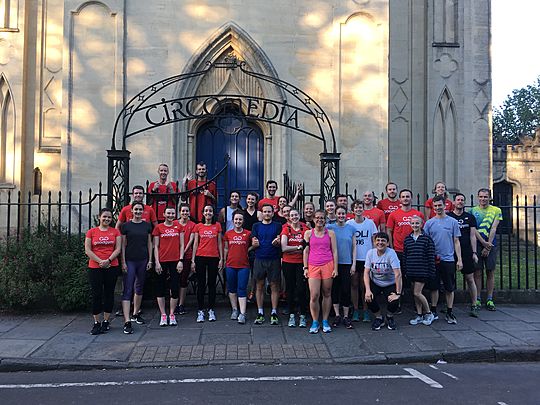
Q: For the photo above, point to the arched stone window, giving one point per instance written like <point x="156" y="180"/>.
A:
<point x="7" y="133"/>
<point x="445" y="140"/>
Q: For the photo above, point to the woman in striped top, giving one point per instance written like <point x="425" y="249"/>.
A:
<point x="419" y="257"/>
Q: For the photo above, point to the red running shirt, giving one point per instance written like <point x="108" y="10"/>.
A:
<point x="169" y="241"/>
<point x="294" y="238"/>
<point x="148" y="215"/>
<point x="188" y="230"/>
<point x="208" y="239"/>
<point x="272" y="201"/>
<point x="388" y="207"/>
<point x="399" y="223"/>
<point x="197" y="199"/>
<point x="103" y="244"/>
<point x="448" y="206"/>
<point x="376" y="215"/>
<point x="239" y="243"/>
<point x="159" y="203"/>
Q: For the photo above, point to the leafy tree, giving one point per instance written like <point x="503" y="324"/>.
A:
<point x="519" y="115"/>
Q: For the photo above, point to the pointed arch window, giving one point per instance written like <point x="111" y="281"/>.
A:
<point x="9" y="14"/>
<point x="445" y="139"/>
<point x="7" y="133"/>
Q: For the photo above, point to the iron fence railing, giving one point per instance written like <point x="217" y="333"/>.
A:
<point x="518" y="235"/>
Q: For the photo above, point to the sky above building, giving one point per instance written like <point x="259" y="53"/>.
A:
<point x="515" y="49"/>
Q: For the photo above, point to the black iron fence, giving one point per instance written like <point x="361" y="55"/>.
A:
<point x="518" y="235"/>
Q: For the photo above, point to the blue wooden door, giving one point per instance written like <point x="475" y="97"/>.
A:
<point x="245" y="147"/>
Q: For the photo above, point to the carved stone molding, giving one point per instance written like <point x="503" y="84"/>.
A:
<point x="445" y="65"/>
<point x="481" y="99"/>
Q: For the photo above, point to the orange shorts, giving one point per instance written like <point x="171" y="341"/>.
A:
<point x="321" y="272"/>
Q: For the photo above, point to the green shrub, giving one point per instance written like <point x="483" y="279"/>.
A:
<point x="43" y="270"/>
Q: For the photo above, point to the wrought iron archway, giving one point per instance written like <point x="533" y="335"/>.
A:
<point x="147" y="110"/>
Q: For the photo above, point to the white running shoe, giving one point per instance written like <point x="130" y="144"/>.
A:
<point x="200" y="316"/>
<point x="163" y="321"/>
<point x="211" y="315"/>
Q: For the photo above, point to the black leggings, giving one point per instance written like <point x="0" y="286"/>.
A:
<point x="376" y="290"/>
<point x="206" y="267"/>
<point x="296" y="286"/>
<point x="102" y="283"/>
<point x="168" y="279"/>
<point x="341" y="286"/>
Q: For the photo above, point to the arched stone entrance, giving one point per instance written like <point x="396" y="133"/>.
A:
<point x="188" y="101"/>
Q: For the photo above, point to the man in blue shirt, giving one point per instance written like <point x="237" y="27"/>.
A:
<point x="266" y="241"/>
<point x="444" y="231"/>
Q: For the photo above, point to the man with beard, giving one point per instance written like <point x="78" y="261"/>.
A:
<point x="200" y="198"/>
<point x="391" y="203"/>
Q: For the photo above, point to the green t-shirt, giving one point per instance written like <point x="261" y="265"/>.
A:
<point x="485" y="218"/>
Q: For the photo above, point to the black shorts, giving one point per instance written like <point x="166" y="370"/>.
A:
<point x="445" y="272"/>
<point x="418" y="280"/>
<point x="269" y="269"/>
<point x="468" y="262"/>
<point x="489" y="262"/>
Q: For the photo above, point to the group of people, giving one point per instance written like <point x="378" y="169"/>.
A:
<point x="357" y="260"/>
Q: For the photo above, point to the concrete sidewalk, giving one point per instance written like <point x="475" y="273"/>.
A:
<point x="63" y="341"/>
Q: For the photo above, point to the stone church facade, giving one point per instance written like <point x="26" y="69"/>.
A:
<point x="406" y="85"/>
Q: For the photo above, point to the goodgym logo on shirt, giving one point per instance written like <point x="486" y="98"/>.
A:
<point x="406" y="220"/>
<point x="208" y="234"/>
<point x="104" y="240"/>
<point x="238" y="240"/>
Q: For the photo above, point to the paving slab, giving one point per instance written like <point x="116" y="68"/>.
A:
<point x="170" y="335"/>
<point x="99" y="351"/>
<point x="300" y="335"/>
<point x="39" y="327"/>
<point x="503" y="339"/>
<point x="225" y="339"/>
<point x="268" y="336"/>
<point x="64" y="346"/>
<point x="389" y="341"/>
<point x="434" y="343"/>
<point x="345" y="344"/>
<point x="19" y="347"/>
<point x="523" y="314"/>
<point x="7" y="323"/>
<point x="419" y="331"/>
<point x="529" y="336"/>
<point x="511" y="325"/>
<point x="467" y="340"/>
<point x="225" y="327"/>
<point x="486" y="315"/>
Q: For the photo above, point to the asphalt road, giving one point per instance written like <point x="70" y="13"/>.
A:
<point x="477" y="383"/>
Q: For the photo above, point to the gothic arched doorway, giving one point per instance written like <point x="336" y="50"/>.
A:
<point x="231" y="134"/>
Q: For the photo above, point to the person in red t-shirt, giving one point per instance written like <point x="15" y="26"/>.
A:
<point x="208" y="259"/>
<point x="292" y="246"/>
<point x="273" y="200"/>
<point x="168" y="254"/>
<point x="159" y="193"/>
<point x="148" y="215"/>
<point x="391" y="203"/>
<point x="237" y="246"/>
<point x="187" y="228"/>
<point x="103" y="245"/>
<point x="439" y="189"/>
<point x="398" y="224"/>
<point x="373" y="213"/>
<point x="200" y="198"/>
